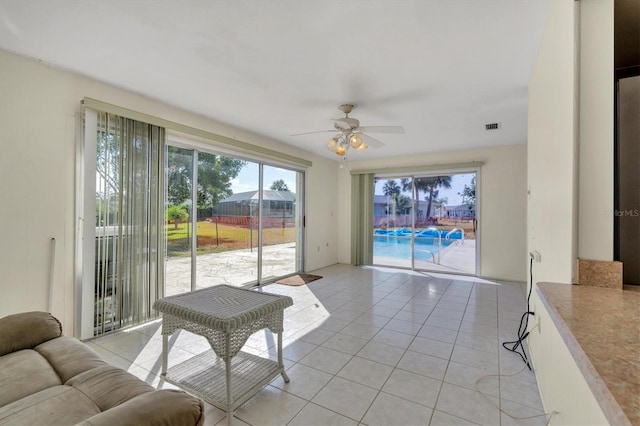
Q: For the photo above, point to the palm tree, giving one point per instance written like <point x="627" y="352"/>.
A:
<point x="431" y="184"/>
<point x="428" y="185"/>
<point x="177" y="214"/>
<point x="415" y="186"/>
<point x="407" y="186"/>
<point x="403" y="204"/>
<point x="392" y="189"/>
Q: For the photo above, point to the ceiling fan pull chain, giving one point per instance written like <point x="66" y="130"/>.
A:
<point x="344" y="164"/>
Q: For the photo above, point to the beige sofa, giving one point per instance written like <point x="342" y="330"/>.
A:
<point x="47" y="378"/>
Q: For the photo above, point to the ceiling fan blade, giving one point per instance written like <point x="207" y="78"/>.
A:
<point x="372" y="142"/>
<point x="319" y="131"/>
<point x="382" y="129"/>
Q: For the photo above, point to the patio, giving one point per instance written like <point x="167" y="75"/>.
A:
<point x="238" y="267"/>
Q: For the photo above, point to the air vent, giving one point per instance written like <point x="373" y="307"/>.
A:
<point x="492" y="126"/>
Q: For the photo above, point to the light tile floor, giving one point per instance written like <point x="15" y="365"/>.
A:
<point x="374" y="346"/>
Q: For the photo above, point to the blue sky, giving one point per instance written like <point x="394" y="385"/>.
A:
<point x="457" y="185"/>
<point x="247" y="180"/>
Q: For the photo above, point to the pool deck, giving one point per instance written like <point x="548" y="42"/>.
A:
<point x="236" y="267"/>
<point x="457" y="258"/>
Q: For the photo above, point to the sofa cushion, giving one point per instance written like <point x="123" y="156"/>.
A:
<point x="27" y="330"/>
<point x="47" y="378"/>
<point x="160" y="408"/>
<point x="58" y="405"/>
<point x="69" y="357"/>
<point x="109" y="386"/>
<point x="23" y="373"/>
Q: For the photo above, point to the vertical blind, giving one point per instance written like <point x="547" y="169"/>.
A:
<point x="362" y="219"/>
<point x="128" y="221"/>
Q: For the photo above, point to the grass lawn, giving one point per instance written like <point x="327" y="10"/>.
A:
<point x="220" y="238"/>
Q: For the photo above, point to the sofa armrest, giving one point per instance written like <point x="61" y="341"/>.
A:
<point x="164" y="407"/>
<point x="27" y="330"/>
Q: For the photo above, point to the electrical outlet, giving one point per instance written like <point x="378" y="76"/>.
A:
<point x="535" y="255"/>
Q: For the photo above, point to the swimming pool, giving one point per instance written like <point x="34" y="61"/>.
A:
<point x="453" y="234"/>
<point x="400" y="247"/>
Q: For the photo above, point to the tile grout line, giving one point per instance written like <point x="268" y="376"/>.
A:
<point x="435" y="404"/>
<point x="394" y="367"/>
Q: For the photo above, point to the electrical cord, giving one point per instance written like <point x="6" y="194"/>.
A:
<point x="551" y="414"/>
<point x="517" y="346"/>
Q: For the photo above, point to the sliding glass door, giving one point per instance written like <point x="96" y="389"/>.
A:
<point x="178" y="230"/>
<point x="229" y="220"/>
<point x="426" y="222"/>
<point x="226" y="249"/>
<point x="281" y="222"/>
<point x="393" y="223"/>
<point x="161" y="215"/>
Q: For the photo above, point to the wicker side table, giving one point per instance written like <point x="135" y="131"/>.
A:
<point x="226" y="316"/>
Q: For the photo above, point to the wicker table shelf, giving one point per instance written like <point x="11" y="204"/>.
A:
<point x="226" y="316"/>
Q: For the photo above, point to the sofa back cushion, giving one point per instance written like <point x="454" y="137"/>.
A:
<point x="165" y="407"/>
<point x="69" y="357"/>
<point x="27" y="330"/>
<point x="109" y="386"/>
<point x="23" y="373"/>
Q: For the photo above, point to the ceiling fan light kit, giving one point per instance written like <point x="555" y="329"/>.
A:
<point x="355" y="141"/>
<point x="351" y="135"/>
<point x="341" y="143"/>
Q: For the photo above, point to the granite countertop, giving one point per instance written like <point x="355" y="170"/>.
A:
<point x="601" y="327"/>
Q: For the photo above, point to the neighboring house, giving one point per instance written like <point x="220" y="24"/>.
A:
<point x="383" y="213"/>
<point x="276" y="204"/>
<point x="381" y="205"/>
<point x="462" y="211"/>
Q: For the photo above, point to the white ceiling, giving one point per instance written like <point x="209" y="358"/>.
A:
<point x="441" y="68"/>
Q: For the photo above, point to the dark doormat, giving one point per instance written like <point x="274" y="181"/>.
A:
<point x="299" y="279"/>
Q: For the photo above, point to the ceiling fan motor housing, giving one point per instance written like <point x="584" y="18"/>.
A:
<point x="346" y="123"/>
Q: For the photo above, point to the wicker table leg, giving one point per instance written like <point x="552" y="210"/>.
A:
<point x="227" y="367"/>
<point x="165" y="354"/>
<point x="280" y="363"/>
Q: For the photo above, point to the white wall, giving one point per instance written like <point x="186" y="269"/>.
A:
<point x="570" y="207"/>
<point x="595" y="229"/>
<point x="322" y="212"/>
<point x="502" y="218"/>
<point x="551" y="148"/>
<point x="38" y="105"/>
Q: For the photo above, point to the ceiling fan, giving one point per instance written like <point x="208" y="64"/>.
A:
<point x="349" y="133"/>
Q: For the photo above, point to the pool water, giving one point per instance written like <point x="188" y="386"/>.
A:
<point x="400" y="247"/>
